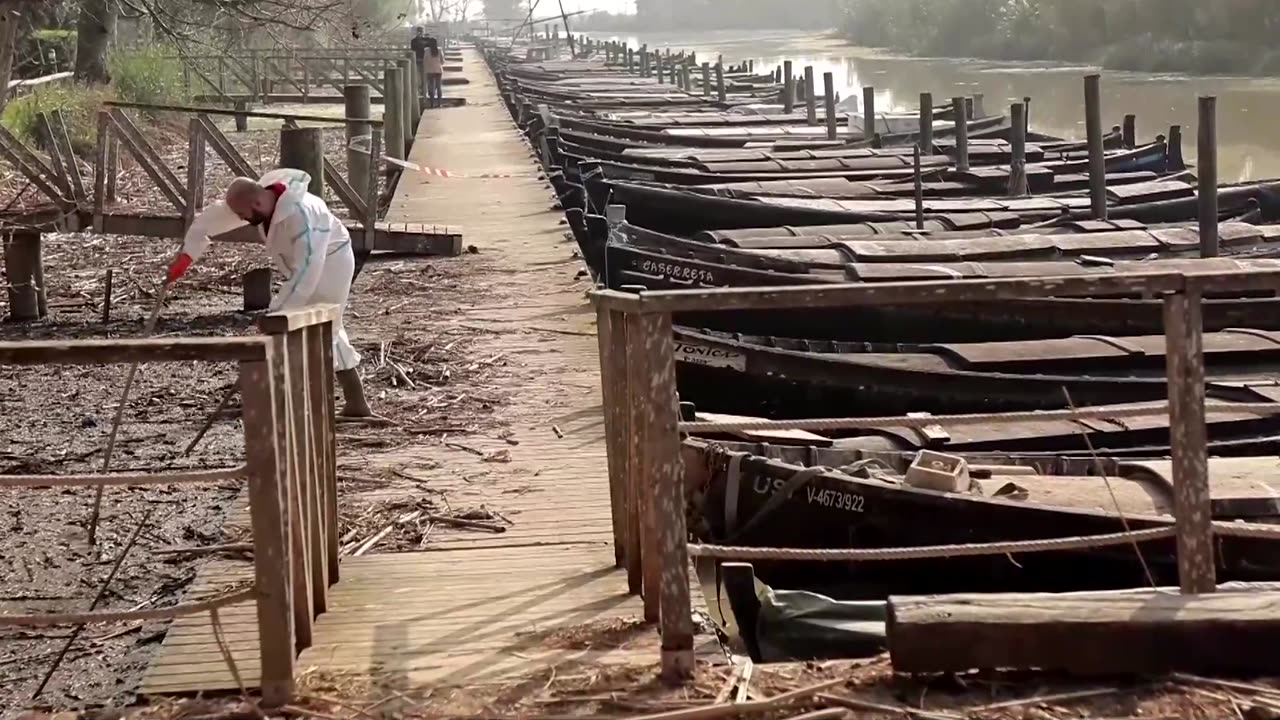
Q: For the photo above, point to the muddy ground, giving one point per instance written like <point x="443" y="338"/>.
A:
<point x="56" y="421"/>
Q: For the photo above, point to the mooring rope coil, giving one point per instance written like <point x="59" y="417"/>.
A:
<point x="923" y="421"/>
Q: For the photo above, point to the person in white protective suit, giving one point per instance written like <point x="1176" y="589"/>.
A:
<point x="308" y="245"/>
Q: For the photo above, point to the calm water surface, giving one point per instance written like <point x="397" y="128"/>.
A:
<point x="1248" y="133"/>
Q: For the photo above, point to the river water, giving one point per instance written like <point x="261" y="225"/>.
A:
<point x="1248" y="133"/>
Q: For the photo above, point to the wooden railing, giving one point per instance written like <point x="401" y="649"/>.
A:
<point x="642" y="422"/>
<point x="286" y="387"/>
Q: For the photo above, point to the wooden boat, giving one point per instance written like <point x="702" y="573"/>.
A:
<point x="683" y="212"/>
<point x="1047" y="444"/>
<point x="742" y="500"/>
<point x="788" y="378"/>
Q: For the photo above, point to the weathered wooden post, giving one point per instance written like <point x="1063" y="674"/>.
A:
<point x="644" y="60"/>
<point x="962" y="134"/>
<point x="1129" y="135"/>
<point x="1026" y="105"/>
<point x="810" y="97"/>
<point x="195" y="171"/>
<point x="868" y="112"/>
<point x="829" y="105"/>
<point x="657" y="58"/>
<point x="242" y="121"/>
<point x="722" y="92"/>
<point x="359" y="145"/>
<point x="257" y="289"/>
<point x="1184" y="358"/>
<point x="393" y="115"/>
<point x="926" y="123"/>
<point x="1097" y="158"/>
<point x="631" y="60"/>
<point x="706" y="79"/>
<point x="23" y="259"/>
<point x="788" y="88"/>
<point x="407" y="102"/>
<point x="1018" y="186"/>
<point x="303" y="149"/>
<point x="1207" y="172"/>
<point x="919" y="186"/>
<point x="686" y="81"/>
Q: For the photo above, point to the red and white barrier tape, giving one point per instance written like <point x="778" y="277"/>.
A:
<point x="361" y="144"/>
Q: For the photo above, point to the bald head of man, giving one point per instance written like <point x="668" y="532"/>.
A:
<point x="250" y="201"/>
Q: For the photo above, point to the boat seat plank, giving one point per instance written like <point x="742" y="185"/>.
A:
<point x="784" y="436"/>
<point x="1149" y="192"/>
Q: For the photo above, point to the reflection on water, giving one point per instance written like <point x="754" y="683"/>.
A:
<point x="1248" y="144"/>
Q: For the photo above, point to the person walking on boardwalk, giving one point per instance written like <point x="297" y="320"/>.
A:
<point x="433" y="72"/>
<point x="308" y="245"/>
<point x="419" y="45"/>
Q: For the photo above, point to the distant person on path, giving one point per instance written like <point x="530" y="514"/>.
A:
<point x="433" y="72"/>
<point x="307" y="244"/>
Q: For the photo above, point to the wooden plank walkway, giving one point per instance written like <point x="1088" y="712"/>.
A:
<point x="478" y="607"/>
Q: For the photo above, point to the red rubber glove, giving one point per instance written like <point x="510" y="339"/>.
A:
<point x="178" y="268"/>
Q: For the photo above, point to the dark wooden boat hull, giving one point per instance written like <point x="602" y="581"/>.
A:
<point x="742" y="378"/>
<point x="834" y="512"/>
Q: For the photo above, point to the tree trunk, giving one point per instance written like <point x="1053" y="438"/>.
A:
<point x="9" y="21"/>
<point x="94" y="31"/>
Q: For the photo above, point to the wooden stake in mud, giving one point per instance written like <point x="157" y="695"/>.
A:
<point x="303" y="149"/>
<point x="1026" y="109"/>
<point x="658" y="61"/>
<point x="1129" y="134"/>
<point x="829" y="105"/>
<point x="706" y="79"/>
<point x="257" y="289"/>
<point x="1097" y="158"/>
<point x="788" y="88"/>
<point x="721" y="90"/>
<point x="106" y="296"/>
<point x="868" y="112"/>
<point x="1207" y="171"/>
<point x="962" y="134"/>
<point x="147" y="330"/>
<point x="1018" y="152"/>
<point x="1184" y="340"/>
<point x="356" y="98"/>
<point x="926" y="123"/>
<point x="392" y="115"/>
<point x="810" y="97"/>
<point x="919" y="187"/>
<point x="23" y="265"/>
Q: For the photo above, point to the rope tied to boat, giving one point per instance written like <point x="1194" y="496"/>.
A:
<point x="927" y="552"/>
<point x="923" y="420"/>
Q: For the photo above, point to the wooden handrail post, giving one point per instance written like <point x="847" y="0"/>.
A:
<point x="260" y="382"/>
<point x="641" y="462"/>
<point x="1183" y="325"/>
<point x="195" y="171"/>
<point x="659" y="446"/>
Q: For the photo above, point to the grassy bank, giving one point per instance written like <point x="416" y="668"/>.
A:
<point x="1169" y="36"/>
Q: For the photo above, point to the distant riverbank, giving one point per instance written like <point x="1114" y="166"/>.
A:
<point x="1140" y="35"/>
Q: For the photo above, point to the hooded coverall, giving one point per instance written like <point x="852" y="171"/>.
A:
<point x="308" y="245"/>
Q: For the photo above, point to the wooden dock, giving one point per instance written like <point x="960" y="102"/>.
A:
<point x="477" y="608"/>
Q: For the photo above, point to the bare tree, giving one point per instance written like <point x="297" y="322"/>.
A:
<point x="9" y="19"/>
<point x="95" y="28"/>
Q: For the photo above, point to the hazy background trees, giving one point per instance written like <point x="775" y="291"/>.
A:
<point x="1225" y="36"/>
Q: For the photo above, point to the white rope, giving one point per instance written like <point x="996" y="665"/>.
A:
<point x="929" y="551"/>
<point x="923" y="552"/>
<point x="922" y="421"/>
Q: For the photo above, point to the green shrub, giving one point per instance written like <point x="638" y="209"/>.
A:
<point x="79" y="106"/>
<point x="150" y="75"/>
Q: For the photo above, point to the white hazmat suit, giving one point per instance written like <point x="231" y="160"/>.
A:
<point x="308" y="245"/>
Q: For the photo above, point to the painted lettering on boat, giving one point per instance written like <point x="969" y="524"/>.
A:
<point x="835" y="499"/>
<point x="676" y="272"/>
<point x="709" y="356"/>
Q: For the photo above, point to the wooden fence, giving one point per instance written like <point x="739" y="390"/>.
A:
<point x="642" y="421"/>
<point x="287" y="391"/>
<point x="82" y="203"/>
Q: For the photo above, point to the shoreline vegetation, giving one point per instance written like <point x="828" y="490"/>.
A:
<point x="1159" y="36"/>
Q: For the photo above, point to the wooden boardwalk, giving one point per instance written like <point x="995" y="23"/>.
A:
<point x="478" y="607"/>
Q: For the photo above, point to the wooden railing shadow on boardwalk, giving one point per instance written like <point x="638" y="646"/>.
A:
<point x="287" y="389"/>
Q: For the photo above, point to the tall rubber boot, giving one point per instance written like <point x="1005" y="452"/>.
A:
<point x="353" y="394"/>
